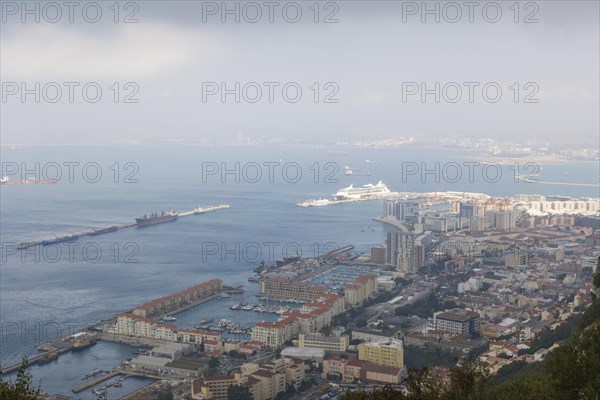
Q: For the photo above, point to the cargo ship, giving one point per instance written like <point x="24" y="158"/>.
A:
<point x="287" y="260"/>
<point x="83" y="344"/>
<point x="48" y="357"/>
<point x="155" y="218"/>
<point x="26" y="245"/>
<point x="105" y="230"/>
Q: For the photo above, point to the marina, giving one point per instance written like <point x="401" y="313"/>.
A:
<point x="94" y="382"/>
<point x="272" y="309"/>
<point x="156" y="219"/>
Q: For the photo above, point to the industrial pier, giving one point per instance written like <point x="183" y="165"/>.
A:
<point x="95" y="232"/>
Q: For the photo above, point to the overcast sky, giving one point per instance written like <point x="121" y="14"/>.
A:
<point x="369" y="57"/>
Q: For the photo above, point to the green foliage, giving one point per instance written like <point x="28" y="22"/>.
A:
<point x="238" y="392"/>
<point x="597" y="279"/>
<point x="235" y="354"/>
<point x="21" y="387"/>
<point x="382" y="297"/>
<point x="467" y="382"/>
<point x="165" y="396"/>
<point x="421" y="357"/>
<point x="425" y="308"/>
<point x="548" y="337"/>
<point x="361" y="322"/>
<point x="485" y="287"/>
<point x="591" y="315"/>
<point x="517" y="369"/>
<point x="570" y="372"/>
<point x="306" y="384"/>
<point x="574" y="369"/>
<point x="534" y="387"/>
<point x="327" y="330"/>
<point x="213" y="362"/>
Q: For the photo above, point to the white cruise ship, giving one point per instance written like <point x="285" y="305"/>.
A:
<point x="368" y="191"/>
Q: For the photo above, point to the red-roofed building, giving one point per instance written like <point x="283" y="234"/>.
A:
<point x="171" y="302"/>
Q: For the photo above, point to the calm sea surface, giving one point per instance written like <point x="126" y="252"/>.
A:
<point x="46" y="293"/>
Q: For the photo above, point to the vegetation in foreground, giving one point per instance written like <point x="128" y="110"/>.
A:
<point x="572" y="371"/>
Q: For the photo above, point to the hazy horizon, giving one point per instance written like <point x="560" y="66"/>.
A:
<point x="368" y="58"/>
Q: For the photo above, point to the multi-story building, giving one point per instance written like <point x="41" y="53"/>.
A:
<point x="457" y="322"/>
<point x="404" y="253"/>
<point x="373" y="373"/>
<point x="311" y="317"/>
<point x="367" y="372"/>
<point x="515" y="258"/>
<point x="263" y="381"/>
<point x="125" y="323"/>
<point x="212" y="387"/>
<point x="378" y="254"/>
<point x="144" y="327"/>
<point x="360" y="290"/>
<point x="503" y="220"/>
<point x="401" y="210"/>
<point x="320" y="341"/>
<point x="367" y="335"/>
<point x="132" y="325"/>
<point x="387" y="352"/>
<point x="469" y="210"/>
<point x="274" y="334"/>
<point x="172" y="302"/>
<point x="166" y="332"/>
<point x="284" y="288"/>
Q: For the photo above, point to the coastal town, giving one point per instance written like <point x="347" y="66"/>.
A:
<point x="501" y="280"/>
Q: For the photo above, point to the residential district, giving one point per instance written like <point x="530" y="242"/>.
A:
<point x="459" y="274"/>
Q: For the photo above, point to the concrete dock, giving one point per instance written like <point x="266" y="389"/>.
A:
<point x="25" y="245"/>
<point x="94" y="382"/>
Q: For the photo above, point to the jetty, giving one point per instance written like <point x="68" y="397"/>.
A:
<point x="100" y="231"/>
<point x="94" y="382"/>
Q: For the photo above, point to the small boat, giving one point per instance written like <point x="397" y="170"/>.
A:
<point x="198" y="210"/>
<point x="92" y="373"/>
<point x="169" y="318"/>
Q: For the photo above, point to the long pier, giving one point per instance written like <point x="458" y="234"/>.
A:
<point x="532" y="180"/>
<point x="306" y="203"/>
<point x="94" y="382"/>
<point x="33" y="360"/>
<point x="94" y="232"/>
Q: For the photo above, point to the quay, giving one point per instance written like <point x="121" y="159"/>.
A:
<point x="332" y="202"/>
<point x="37" y="359"/>
<point x="396" y="224"/>
<point x="94" y="382"/>
<point x="526" y="179"/>
<point x="53" y="349"/>
<point x="94" y="232"/>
